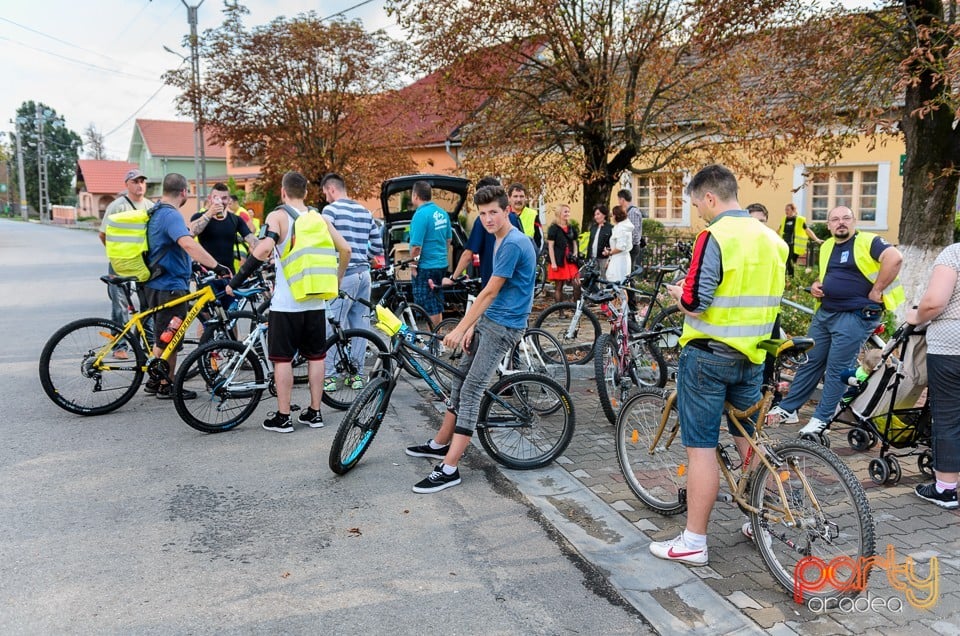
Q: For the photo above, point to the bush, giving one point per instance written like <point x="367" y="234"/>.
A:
<point x="821" y="230"/>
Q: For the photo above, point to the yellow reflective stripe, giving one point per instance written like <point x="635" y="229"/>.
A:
<point x="731" y="331"/>
<point x="726" y="302"/>
<point x="126" y="226"/>
<point x="307" y="251"/>
<point x="312" y="271"/>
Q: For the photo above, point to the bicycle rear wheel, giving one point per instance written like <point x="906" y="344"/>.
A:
<point x="577" y="337"/>
<point x="652" y="458"/>
<point x="450" y="355"/>
<point x="353" y="359"/>
<point x="228" y="385"/>
<point x="539" y="352"/>
<point x="835" y="526"/>
<point x="72" y="380"/>
<point x="669" y="323"/>
<point x="525" y="421"/>
<point x="359" y="426"/>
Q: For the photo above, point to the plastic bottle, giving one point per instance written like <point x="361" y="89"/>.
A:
<point x="171" y="329"/>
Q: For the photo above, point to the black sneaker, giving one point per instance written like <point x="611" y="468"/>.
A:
<point x="424" y="450"/>
<point x="946" y="499"/>
<point x="165" y="392"/>
<point x="279" y="423"/>
<point x="151" y="386"/>
<point x="311" y="418"/>
<point x="437" y="481"/>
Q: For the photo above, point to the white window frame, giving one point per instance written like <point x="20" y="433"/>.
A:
<point x="632" y="182"/>
<point x="801" y="190"/>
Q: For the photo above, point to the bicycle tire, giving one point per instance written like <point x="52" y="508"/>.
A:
<point x="236" y="326"/>
<point x="350" y="354"/>
<point x="839" y="506"/>
<point x="612" y="386"/>
<point x="669" y="343"/>
<point x="66" y="372"/>
<point x="579" y="345"/>
<point x="359" y="426"/>
<point x="539" y="352"/>
<point x="218" y="407"/>
<point x="541" y="432"/>
<point x="655" y="477"/>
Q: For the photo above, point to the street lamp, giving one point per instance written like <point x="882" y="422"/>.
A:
<point x="197" y="139"/>
<point x="198" y="113"/>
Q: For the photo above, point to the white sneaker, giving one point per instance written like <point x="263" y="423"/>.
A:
<point x="747" y="530"/>
<point x="777" y="415"/>
<point x="677" y="550"/>
<point x="814" y="427"/>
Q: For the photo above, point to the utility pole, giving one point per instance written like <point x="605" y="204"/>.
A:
<point x="197" y="111"/>
<point x="43" y="189"/>
<point x="20" y="177"/>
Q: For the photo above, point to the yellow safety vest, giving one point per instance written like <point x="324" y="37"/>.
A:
<point x="799" y="234"/>
<point x="309" y="260"/>
<point x="528" y="219"/>
<point x="747" y="300"/>
<point x="126" y="243"/>
<point x="893" y="295"/>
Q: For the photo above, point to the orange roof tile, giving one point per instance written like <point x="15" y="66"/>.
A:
<point x="175" y="139"/>
<point x="103" y="177"/>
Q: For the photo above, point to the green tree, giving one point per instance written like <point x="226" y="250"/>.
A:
<point x="301" y="93"/>
<point x="61" y="149"/>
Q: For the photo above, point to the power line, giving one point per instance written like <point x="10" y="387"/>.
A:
<point x="134" y="114"/>
<point x="356" y="6"/>
<point x="80" y="62"/>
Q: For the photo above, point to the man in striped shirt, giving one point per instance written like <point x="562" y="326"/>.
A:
<point x="356" y="225"/>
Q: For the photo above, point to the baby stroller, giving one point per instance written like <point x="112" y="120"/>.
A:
<point x="890" y="406"/>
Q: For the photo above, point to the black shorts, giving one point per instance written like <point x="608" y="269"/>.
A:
<point x="157" y="297"/>
<point x="292" y="331"/>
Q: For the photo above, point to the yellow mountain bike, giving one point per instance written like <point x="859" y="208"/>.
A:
<point x="93" y="365"/>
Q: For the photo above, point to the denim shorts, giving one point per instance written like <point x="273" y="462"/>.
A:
<point x="704" y="382"/>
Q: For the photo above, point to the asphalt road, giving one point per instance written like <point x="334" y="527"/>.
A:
<point x="134" y="523"/>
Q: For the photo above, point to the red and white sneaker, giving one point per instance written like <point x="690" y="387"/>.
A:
<point x="677" y="550"/>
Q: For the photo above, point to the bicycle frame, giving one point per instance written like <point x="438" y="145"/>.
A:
<point x="203" y="297"/>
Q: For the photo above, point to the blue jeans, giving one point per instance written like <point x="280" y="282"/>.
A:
<point x="704" y="382"/>
<point x="491" y="342"/>
<point x="838" y="336"/>
<point x="351" y="315"/>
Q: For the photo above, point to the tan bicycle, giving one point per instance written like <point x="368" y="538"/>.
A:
<point x="802" y="501"/>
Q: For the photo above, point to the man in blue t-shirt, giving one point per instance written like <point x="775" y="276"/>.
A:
<point x="430" y="236"/>
<point x="481" y="242"/>
<point x="171" y="247"/>
<point x="851" y="307"/>
<point x="491" y="327"/>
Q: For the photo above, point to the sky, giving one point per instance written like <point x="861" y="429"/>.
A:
<point x="101" y="61"/>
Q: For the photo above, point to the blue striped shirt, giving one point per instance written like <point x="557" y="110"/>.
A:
<point x="358" y="228"/>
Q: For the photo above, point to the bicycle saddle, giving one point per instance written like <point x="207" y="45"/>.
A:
<point x="791" y="347"/>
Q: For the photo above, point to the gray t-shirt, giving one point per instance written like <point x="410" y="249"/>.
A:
<point x="943" y="334"/>
<point x="123" y="204"/>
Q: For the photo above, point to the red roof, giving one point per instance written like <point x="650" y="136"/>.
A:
<point x="175" y="139"/>
<point x="103" y="177"/>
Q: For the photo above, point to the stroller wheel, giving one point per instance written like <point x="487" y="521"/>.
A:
<point x="860" y="440"/>
<point x="925" y="463"/>
<point x="895" y="472"/>
<point x="879" y="471"/>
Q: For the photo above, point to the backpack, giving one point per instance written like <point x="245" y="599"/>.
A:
<point x="310" y="268"/>
<point x="126" y="244"/>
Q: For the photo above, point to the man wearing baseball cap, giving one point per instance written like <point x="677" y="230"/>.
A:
<point x="133" y="199"/>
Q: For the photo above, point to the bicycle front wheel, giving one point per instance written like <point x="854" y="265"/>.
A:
<point x="76" y="382"/>
<point x="228" y="385"/>
<point x="669" y="324"/>
<point x="613" y="384"/>
<point x="539" y="352"/>
<point x="359" y="426"/>
<point x="525" y="421"/>
<point x="352" y="360"/>
<point x="577" y="335"/>
<point x="834" y="526"/>
<point x="651" y="456"/>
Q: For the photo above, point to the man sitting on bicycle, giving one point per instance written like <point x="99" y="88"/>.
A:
<point x="491" y="327"/>
<point x="730" y="299"/>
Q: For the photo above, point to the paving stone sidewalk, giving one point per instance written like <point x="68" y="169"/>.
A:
<point x="915" y="528"/>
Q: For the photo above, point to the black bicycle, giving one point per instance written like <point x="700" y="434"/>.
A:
<point x="526" y="420"/>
